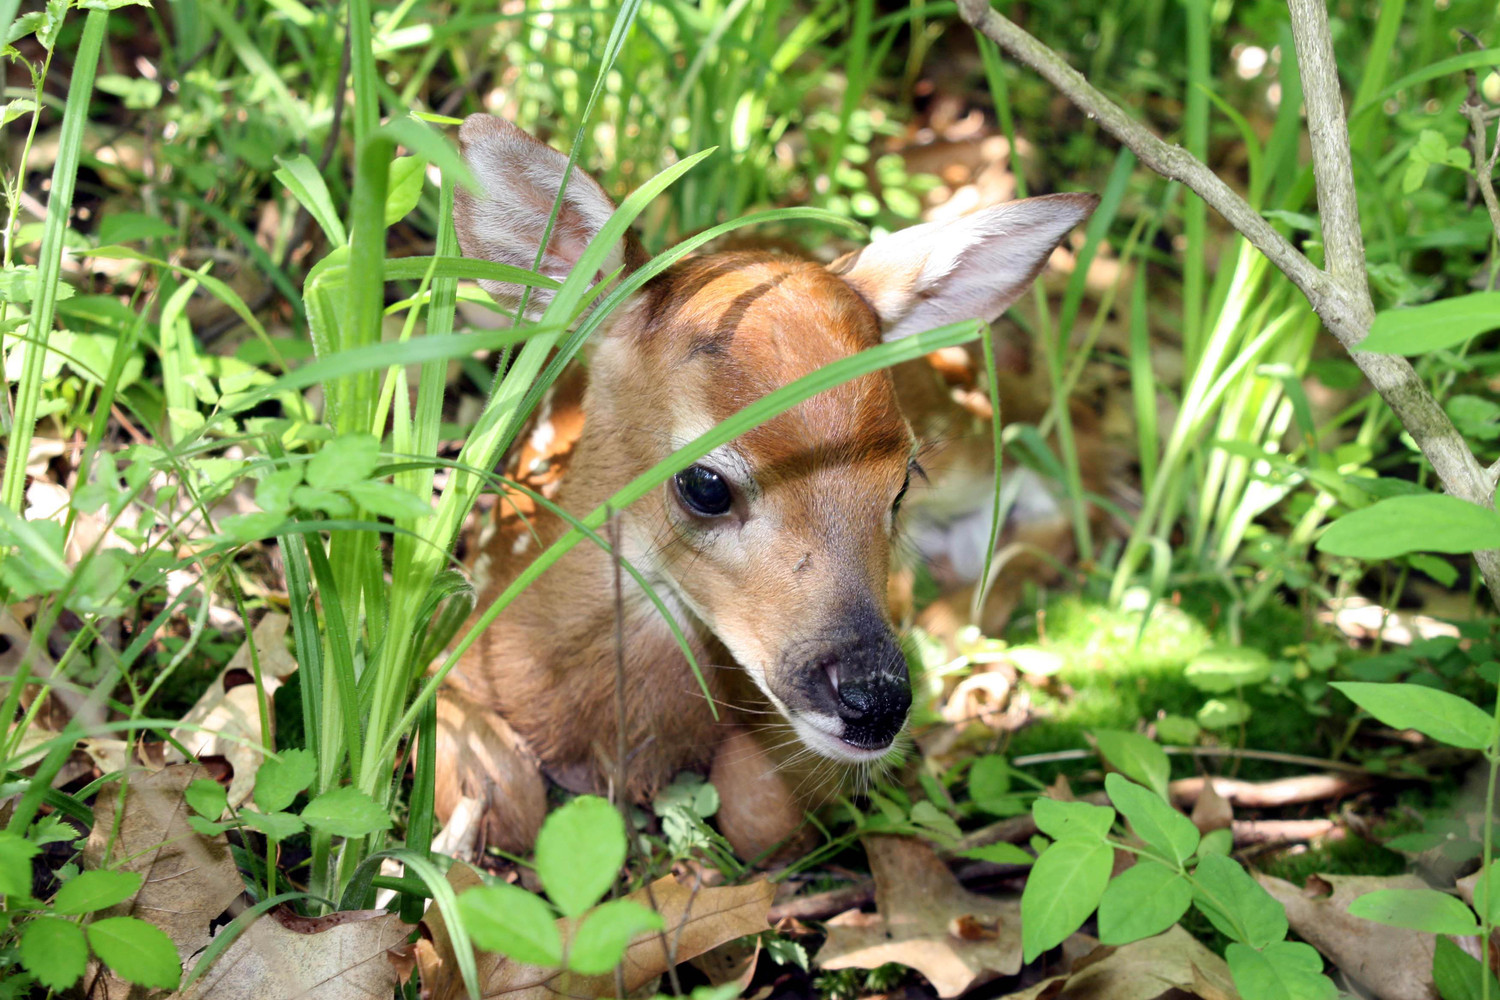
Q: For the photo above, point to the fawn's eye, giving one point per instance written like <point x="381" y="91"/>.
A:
<point x="703" y="490"/>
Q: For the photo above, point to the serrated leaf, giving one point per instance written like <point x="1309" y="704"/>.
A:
<point x="15" y="865"/>
<point x="507" y="919"/>
<point x="346" y="812"/>
<point x="1064" y="887"/>
<point x="1152" y="819"/>
<point x="1136" y="756"/>
<point x="1423" y="522"/>
<point x="1416" y="909"/>
<point x="277" y="826"/>
<point x="207" y="798"/>
<point x="1060" y="820"/>
<point x="1285" y="970"/>
<point x="278" y="781"/>
<point x="348" y="458"/>
<point x="137" y="951"/>
<point x="605" y="933"/>
<point x="1445" y="717"/>
<point x="96" y="890"/>
<point x="579" y="852"/>
<point x="1236" y="904"/>
<point x="389" y="500"/>
<point x="1141" y="902"/>
<point x="54" y="951"/>
<point x="274" y="493"/>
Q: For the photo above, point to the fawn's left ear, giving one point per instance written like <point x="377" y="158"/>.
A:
<point x="972" y="268"/>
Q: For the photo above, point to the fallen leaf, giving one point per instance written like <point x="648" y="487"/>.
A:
<point x="189" y="879"/>
<point x="1212" y="811"/>
<point x="1142" y="970"/>
<point x="697" y="920"/>
<point x="1393" y="963"/>
<point x="226" y="719"/>
<point x="919" y="904"/>
<point x="354" y="954"/>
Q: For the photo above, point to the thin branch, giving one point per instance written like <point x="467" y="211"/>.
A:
<point x="1340" y="296"/>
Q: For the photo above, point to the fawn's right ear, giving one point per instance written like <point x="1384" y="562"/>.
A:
<point x="521" y="176"/>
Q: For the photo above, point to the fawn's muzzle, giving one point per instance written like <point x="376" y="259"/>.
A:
<point x="853" y="690"/>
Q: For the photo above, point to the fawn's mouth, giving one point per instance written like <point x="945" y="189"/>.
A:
<point x="826" y="736"/>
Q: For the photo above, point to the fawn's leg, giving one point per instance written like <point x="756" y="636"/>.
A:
<point x="761" y="802"/>
<point x="480" y="757"/>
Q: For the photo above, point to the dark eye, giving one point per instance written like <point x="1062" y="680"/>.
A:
<point x="704" y="491"/>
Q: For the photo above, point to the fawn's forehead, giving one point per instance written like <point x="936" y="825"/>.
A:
<point x="748" y="324"/>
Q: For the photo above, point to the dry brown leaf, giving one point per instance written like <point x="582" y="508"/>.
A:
<point x="1393" y="963"/>
<point x="351" y="955"/>
<point x="233" y="711"/>
<point x="1141" y="970"/>
<point x="697" y="920"/>
<point x="189" y="879"/>
<point x="919" y="904"/>
<point x="1212" y="811"/>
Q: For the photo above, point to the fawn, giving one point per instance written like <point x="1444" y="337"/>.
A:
<point x="772" y="552"/>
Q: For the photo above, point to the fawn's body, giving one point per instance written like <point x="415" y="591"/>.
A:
<point x="772" y="553"/>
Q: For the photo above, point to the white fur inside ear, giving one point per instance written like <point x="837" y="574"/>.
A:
<point x="521" y="176"/>
<point x="972" y="268"/>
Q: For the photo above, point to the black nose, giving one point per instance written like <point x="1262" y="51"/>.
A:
<point x="873" y="693"/>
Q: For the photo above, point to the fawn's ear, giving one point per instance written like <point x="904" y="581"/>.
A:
<point x="972" y="268"/>
<point x="520" y="176"/>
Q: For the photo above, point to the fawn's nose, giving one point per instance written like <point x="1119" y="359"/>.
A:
<point x="872" y="693"/>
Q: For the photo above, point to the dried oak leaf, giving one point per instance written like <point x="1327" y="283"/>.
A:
<point x="919" y="904"/>
<point x="189" y="879"/>
<point x="230" y="708"/>
<point x="1170" y="964"/>
<point x="697" y="919"/>
<point x="1393" y="963"/>
<point x="350" y="955"/>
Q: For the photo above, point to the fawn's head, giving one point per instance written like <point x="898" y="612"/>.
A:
<point x="780" y="540"/>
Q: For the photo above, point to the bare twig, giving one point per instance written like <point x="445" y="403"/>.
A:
<point x="1340" y="295"/>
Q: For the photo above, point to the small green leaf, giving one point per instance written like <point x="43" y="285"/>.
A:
<point x="277" y="826"/>
<point x="15" y="865"/>
<point x="207" y="798"/>
<point x="346" y="812"/>
<point x="1445" y="717"/>
<point x="579" y="853"/>
<point x="1141" y="902"/>
<point x="389" y="500"/>
<point x="606" y="932"/>
<point x="278" y="781"/>
<point x="1435" y="325"/>
<point x="137" y="951"/>
<point x="348" y="458"/>
<point x="1222" y="713"/>
<point x="323" y="501"/>
<point x="1155" y="822"/>
<point x="1284" y="970"/>
<point x="1486" y="900"/>
<point x="1458" y="975"/>
<point x="1178" y="729"/>
<point x="1064" y="887"/>
<point x="1216" y="842"/>
<point x="405" y="188"/>
<point x="1221" y="669"/>
<point x="989" y="780"/>
<point x="1060" y="820"/>
<point x="999" y="854"/>
<point x="132" y="227"/>
<point x="1236" y="904"/>
<point x="273" y="494"/>
<point x="1416" y="909"/>
<point x="509" y="920"/>
<point x="54" y="951"/>
<point x="96" y="890"/>
<point x="1423" y="522"/>
<point x="1135" y="756"/>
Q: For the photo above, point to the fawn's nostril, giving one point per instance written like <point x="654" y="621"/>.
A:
<point x="854" y="700"/>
